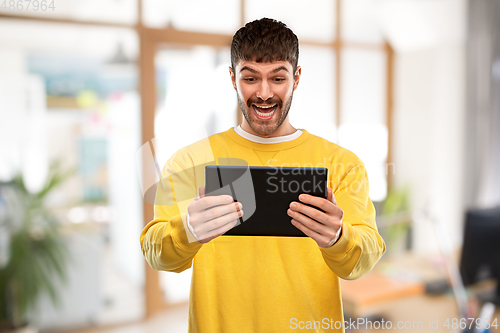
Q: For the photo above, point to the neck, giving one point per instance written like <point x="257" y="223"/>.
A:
<point x="284" y="129"/>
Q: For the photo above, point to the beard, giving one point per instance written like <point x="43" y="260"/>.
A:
<point x="265" y="127"/>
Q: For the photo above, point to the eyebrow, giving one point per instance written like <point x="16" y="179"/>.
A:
<point x="276" y="70"/>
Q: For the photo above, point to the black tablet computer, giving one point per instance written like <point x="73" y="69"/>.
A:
<point x="266" y="194"/>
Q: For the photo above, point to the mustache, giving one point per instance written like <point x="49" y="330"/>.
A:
<point x="257" y="100"/>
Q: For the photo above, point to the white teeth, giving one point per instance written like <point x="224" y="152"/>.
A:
<point x="262" y="114"/>
<point x="265" y="106"/>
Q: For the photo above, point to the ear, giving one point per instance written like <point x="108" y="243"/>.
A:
<point x="233" y="79"/>
<point x="298" y="72"/>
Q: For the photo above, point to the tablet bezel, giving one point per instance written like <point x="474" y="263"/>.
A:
<point x="256" y="225"/>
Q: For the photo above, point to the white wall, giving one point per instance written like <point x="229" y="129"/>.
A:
<point x="429" y="115"/>
<point x="125" y="200"/>
<point x="13" y="110"/>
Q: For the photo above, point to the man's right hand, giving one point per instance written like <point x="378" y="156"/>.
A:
<point x="209" y="222"/>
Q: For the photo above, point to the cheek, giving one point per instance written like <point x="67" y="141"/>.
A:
<point x="245" y="92"/>
<point x="285" y="92"/>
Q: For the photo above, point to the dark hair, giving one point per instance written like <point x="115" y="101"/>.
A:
<point x="265" y="40"/>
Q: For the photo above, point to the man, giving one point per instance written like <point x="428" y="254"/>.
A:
<point x="264" y="284"/>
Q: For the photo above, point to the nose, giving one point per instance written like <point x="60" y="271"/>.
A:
<point x="264" y="92"/>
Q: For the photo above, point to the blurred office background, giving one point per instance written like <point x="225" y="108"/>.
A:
<point x="412" y="87"/>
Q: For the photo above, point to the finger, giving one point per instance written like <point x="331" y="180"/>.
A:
<point x="211" y="201"/>
<point x="313" y="213"/>
<point x="218" y="211"/>
<point x="321" y="240"/>
<point x="330" y="195"/>
<point x="317" y="202"/>
<point x="219" y="232"/>
<point x="206" y="214"/>
<point x="330" y="211"/>
<point x="312" y="224"/>
<point x="198" y="195"/>
<point x="309" y="232"/>
<point x="212" y="226"/>
<point x="333" y="198"/>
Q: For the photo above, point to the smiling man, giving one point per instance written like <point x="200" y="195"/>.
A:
<point x="264" y="284"/>
<point x="265" y="92"/>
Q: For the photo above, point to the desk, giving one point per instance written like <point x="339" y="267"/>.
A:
<point x="395" y="291"/>
<point x="393" y="278"/>
<point x="368" y="295"/>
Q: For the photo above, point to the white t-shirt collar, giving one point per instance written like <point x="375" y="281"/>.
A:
<point x="259" y="139"/>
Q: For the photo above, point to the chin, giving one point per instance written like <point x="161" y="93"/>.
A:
<point x="264" y="130"/>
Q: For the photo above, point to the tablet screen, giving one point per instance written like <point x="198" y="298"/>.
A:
<point x="266" y="194"/>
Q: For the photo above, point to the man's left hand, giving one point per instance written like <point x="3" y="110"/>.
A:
<point x="325" y="228"/>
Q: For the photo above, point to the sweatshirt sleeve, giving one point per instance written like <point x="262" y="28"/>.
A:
<point x="360" y="245"/>
<point x="165" y="243"/>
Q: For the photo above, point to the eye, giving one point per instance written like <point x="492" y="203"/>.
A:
<point x="279" y="79"/>
<point x="249" y="79"/>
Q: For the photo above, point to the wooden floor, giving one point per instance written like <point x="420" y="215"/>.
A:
<point x="174" y="320"/>
<point x="412" y="312"/>
<point x="415" y="311"/>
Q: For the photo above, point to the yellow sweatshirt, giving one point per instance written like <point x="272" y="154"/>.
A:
<point x="263" y="284"/>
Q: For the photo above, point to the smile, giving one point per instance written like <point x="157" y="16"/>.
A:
<point x="264" y="111"/>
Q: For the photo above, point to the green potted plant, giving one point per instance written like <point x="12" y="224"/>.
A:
<point x="36" y="258"/>
<point x="396" y="214"/>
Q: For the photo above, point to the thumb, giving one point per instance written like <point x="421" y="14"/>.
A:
<point x="331" y="196"/>
<point x="201" y="193"/>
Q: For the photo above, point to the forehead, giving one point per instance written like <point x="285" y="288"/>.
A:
<point x="264" y="67"/>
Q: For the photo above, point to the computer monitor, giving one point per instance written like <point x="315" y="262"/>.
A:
<point x="480" y="258"/>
